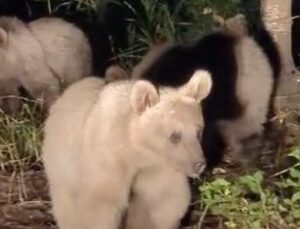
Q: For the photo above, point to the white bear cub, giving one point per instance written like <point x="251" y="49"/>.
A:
<point x="103" y="142"/>
<point x="43" y="56"/>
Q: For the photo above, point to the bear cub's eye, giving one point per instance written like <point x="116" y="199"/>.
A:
<point x="175" y="137"/>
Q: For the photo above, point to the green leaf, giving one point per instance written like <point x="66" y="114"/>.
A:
<point x="296" y="213"/>
<point x="221" y="182"/>
<point x="295" y="154"/>
<point x="231" y="224"/>
<point x="296" y="197"/>
<point x="288" y="202"/>
<point x="252" y="182"/>
<point x="295" y="173"/>
<point x="259" y="177"/>
<point x="256" y="224"/>
<point x="291" y="183"/>
<point x="282" y="208"/>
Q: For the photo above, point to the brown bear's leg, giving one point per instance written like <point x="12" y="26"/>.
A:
<point x="63" y="207"/>
<point x="10" y="102"/>
<point x="42" y="86"/>
<point x="160" y="199"/>
<point x="97" y="202"/>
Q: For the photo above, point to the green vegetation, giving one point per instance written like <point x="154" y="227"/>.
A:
<point x="256" y="201"/>
<point x="157" y="21"/>
<point x="72" y="5"/>
<point x="20" y="139"/>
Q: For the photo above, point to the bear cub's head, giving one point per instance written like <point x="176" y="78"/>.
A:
<point x="168" y="122"/>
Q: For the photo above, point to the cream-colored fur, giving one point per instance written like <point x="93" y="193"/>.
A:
<point x="237" y="26"/>
<point x="66" y="48"/>
<point x="101" y="141"/>
<point x="254" y="87"/>
<point x="44" y="56"/>
<point x="160" y="199"/>
<point x="115" y="72"/>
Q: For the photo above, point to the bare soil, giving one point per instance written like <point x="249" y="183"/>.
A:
<point x="24" y="201"/>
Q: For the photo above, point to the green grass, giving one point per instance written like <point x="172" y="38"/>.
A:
<point x="157" y="21"/>
<point x="20" y="139"/>
<point x="79" y="5"/>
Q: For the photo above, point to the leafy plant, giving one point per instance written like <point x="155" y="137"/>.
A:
<point x="247" y="203"/>
<point x="289" y="189"/>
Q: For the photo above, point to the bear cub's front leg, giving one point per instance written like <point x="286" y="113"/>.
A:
<point x="160" y="199"/>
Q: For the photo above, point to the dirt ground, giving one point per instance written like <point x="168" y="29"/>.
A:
<point x="24" y="200"/>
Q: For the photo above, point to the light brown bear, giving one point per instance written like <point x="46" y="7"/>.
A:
<point x="104" y="141"/>
<point x="44" y="57"/>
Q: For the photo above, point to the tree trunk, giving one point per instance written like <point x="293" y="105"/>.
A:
<point x="278" y="21"/>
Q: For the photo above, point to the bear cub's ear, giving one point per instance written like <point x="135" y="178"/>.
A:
<point x="3" y="37"/>
<point x="143" y="95"/>
<point x="199" y="85"/>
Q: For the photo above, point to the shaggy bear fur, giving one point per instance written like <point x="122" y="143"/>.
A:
<point x="104" y="141"/>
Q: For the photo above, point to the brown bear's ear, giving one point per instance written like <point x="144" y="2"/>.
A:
<point x="115" y="72"/>
<point x="199" y="85"/>
<point x="143" y="95"/>
<point x="3" y="37"/>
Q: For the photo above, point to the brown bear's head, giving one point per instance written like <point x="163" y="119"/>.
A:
<point x="168" y="123"/>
